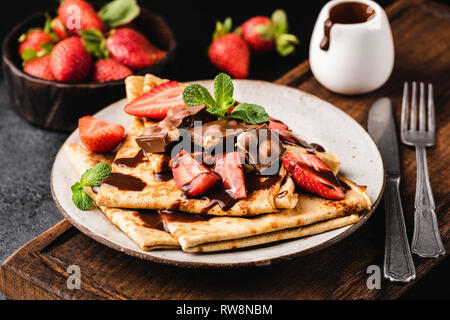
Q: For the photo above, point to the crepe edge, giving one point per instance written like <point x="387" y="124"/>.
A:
<point x="82" y="159"/>
<point x="286" y="234"/>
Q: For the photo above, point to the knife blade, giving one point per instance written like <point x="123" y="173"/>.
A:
<point x="398" y="264"/>
<point x="382" y="129"/>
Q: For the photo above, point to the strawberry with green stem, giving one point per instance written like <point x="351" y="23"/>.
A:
<point x="34" y="44"/>
<point x="78" y="15"/>
<point x="229" y="52"/>
<point x="262" y="33"/>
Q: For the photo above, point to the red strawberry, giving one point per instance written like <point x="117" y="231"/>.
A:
<point x="155" y="103"/>
<point x="191" y="176"/>
<point x="229" y="168"/>
<point x="313" y="175"/>
<point x="98" y="135"/>
<point x="275" y="124"/>
<point x="70" y="61"/>
<point x="132" y="48"/>
<point x="34" y="40"/>
<point x="40" y="68"/>
<point x="231" y="54"/>
<point x="59" y="28"/>
<point x="258" y="33"/>
<point x="108" y="70"/>
<point x="80" y="15"/>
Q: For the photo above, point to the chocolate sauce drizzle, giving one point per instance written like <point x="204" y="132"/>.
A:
<point x="124" y="182"/>
<point x="175" y="216"/>
<point x="151" y="219"/>
<point x="133" y="162"/>
<point x="163" y="176"/>
<point x="345" y="13"/>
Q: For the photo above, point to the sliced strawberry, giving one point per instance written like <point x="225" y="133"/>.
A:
<point x="275" y="124"/>
<point x="191" y="176"/>
<point x="98" y="135"/>
<point x="313" y="175"/>
<point x="229" y="167"/>
<point x="155" y="103"/>
<point x="284" y="132"/>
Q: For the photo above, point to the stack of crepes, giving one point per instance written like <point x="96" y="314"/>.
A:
<point x="160" y="216"/>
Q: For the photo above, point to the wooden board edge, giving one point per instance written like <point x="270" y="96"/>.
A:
<point x="13" y="284"/>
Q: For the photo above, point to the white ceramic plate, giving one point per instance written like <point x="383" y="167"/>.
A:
<point x="313" y="119"/>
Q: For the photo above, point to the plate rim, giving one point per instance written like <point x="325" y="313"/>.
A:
<point x="230" y="265"/>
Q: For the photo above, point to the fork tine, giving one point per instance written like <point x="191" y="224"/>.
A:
<point x="405" y="107"/>
<point x="413" y="117"/>
<point x="422" y="115"/>
<point x="430" y="108"/>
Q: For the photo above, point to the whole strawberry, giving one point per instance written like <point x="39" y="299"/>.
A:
<point x="108" y="70"/>
<point x="59" y="28"/>
<point x="34" y="40"/>
<point x="79" y="15"/>
<point x="70" y="61"/>
<point x="258" y="33"/>
<point x="132" y="48"/>
<point x="229" y="52"/>
<point x="261" y="33"/>
<point x="40" y="68"/>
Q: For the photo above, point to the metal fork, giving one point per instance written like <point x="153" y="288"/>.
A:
<point x="426" y="239"/>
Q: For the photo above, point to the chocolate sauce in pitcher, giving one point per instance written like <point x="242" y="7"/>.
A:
<point x="345" y="13"/>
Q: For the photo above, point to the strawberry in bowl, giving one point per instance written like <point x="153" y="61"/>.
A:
<point x="58" y="71"/>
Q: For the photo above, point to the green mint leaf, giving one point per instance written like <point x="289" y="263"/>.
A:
<point x="119" y="12"/>
<point x="250" y="113"/>
<point x="223" y="91"/>
<point x="76" y="187"/>
<point x="28" y="55"/>
<point x="218" y="112"/>
<point x="81" y="200"/>
<point x="95" y="43"/>
<point x="93" y="176"/>
<point x="196" y="95"/>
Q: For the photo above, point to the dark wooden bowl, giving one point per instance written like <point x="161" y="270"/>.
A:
<point x="56" y="105"/>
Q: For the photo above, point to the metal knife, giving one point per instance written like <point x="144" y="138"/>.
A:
<point x="398" y="263"/>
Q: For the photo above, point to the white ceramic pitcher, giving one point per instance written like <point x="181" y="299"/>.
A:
<point x="360" y="56"/>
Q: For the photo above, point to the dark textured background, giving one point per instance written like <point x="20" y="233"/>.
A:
<point x="27" y="152"/>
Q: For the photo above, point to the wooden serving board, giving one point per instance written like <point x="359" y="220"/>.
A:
<point x="422" y="40"/>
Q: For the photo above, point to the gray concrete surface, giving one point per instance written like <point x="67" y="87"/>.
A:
<point x="26" y="158"/>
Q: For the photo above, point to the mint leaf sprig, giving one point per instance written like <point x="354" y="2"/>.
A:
<point x="90" y="178"/>
<point x="195" y="95"/>
<point x="119" y="12"/>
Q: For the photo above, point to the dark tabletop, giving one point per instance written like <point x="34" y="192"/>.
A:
<point x="26" y="152"/>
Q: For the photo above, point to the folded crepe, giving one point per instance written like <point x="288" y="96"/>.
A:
<point x="165" y="195"/>
<point x="208" y="234"/>
<point x="312" y="215"/>
<point x="143" y="228"/>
